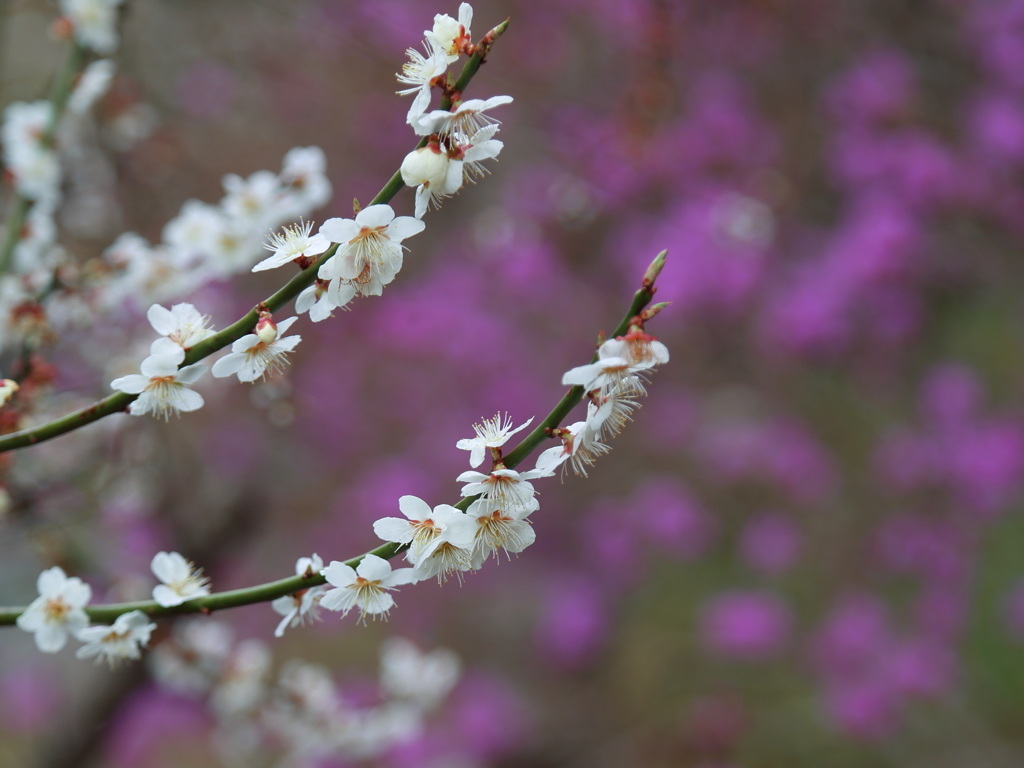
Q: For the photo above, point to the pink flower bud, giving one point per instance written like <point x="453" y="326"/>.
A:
<point x="266" y="329"/>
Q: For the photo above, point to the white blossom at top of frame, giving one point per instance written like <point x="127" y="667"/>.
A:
<point x="7" y="389"/>
<point x="252" y="358"/>
<point x="297" y="607"/>
<point x="180" y="327"/>
<point x="639" y="349"/>
<point x="410" y="674"/>
<point x="121" y="640"/>
<point x="370" y="247"/>
<point x="434" y="175"/>
<point x="466" y="120"/>
<point x="498" y="527"/>
<point x="57" y="611"/>
<point x="182" y="581"/>
<point x="450" y="35"/>
<point x="365" y="587"/>
<point x="292" y="243"/>
<point x="91" y="86"/>
<point x="490" y="433"/>
<point x="316" y="300"/>
<point x="161" y="388"/>
<point x="421" y="526"/>
<point x="252" y="200"/>
<point x="606" y="374"/>
<point x="419" y="73"/>
<point x="192" y="658"/>
<point x="94" y="23"/>
<point x="304" y="181"/>
<point x="505" y="487"/>
<point x="451" y="550"/>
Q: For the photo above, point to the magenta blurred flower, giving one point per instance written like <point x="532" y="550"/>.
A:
<point x="573" y="623"/>
<point x="745" y="625"/>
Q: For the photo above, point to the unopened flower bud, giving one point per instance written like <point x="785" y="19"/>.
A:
<point x="266" y="329"/>
<point x="653" y="310"/>
<point x="655" y="269"/>
<point x="7" y="390"/>
<point x="426" y="165"/>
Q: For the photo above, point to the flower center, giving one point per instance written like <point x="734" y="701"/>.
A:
<point x="56" y="610"/>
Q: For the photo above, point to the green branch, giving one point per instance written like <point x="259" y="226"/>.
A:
<point x="119" y="401"/>
<point x="262" y="593"/>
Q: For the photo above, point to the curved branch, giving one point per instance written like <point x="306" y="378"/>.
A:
<point x="272" y="590"/>
<point x="119" y="401"/>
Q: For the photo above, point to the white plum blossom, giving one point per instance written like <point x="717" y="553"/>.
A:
<point x="421" y="526"/>
<point x="498" y="527"/>
<point x="94" y="23"/>
<point x="473" y="151"/>
<point x="370" y="248"/>
<point x="181" y="327"/>
<point x="316" y="300"/>
<point x="294" y="243"/>
<point x="304" y="180"/>
<point x="252" y="357"/>
<point x="608" y="414"/>
<point x="410" y="674"/>
<point x="297" y="607"/>
<point x="434" y="175"/>
<point x="504" y="487"/>
<point x="419" y="73"/>
<point x="451" y="35"/>
<point x="94" y="82"/>
<point x="580" y="444"/>
<point x="451" y="550"/>
<point x="467" y="119"/>
<point x="192" y="658"/>
<point x="182" y="581"/>
<point x="7" y="389"/>
<point x="490" y="433"/>
<point x="57" y="611"/>
<point x="194" y="234"/>
<point x="365" y="587"/>
<point x="37" y="173"/>
<point x="606" y="374"/>
<point x="161" y="387"/>
<point x="122" y="640"/>
<point x="639" y="349"/>
<point x="252" y="201"/>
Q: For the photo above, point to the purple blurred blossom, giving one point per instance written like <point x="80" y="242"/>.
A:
<point x="148" y="718"/>
<point x="29" y="698"/>
<point x="878" y="87"/>
<point x="672" y="518"/>
<point x="746" y="625"/>
<point x="866" y="709"/>
<point x="851" y="637"/>
<point x="488" y="720"/>
<point x="921" y="667"/>
<point x="573" y="622"/>
<point x="771" y="542"/>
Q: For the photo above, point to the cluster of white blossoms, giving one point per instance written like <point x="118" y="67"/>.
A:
<point x="59" y="611"/>
<point x="93" y="23"/>
<point x="459" y="139"/>
<point x="438" y="541"/>
<point x="299" y="716"/>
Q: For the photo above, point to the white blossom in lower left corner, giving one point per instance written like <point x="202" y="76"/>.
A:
<point x="161" y="386"/>
<point x="122" y="640"/>
<point x="57" y="611"/>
